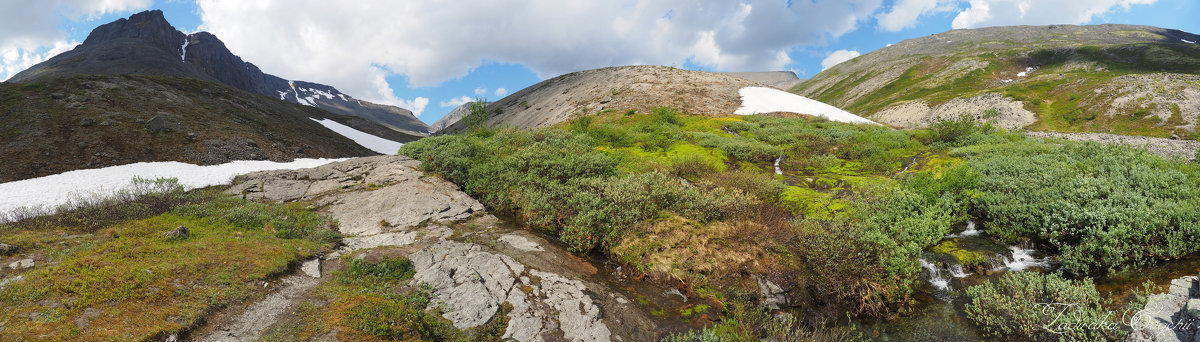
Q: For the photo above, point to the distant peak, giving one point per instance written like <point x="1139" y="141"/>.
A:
<point x="147" y="25"/>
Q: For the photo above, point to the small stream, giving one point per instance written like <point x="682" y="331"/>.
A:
<point x="940" y="316"/>
<point x="939" y="313"/>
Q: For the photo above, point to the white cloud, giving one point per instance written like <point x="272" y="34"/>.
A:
<point x="455" y="102"/>
<point x="480" y="91"/>
<point x="442" y="40"/>
<point x="501" y="92"/>
<point x="30" y="33"/>
<point x="904" y="13"/>
<point x="837" y="57"/>
<point x="417" y="105"/>
<point x="15" y="59"/>
<point x="984" y="13"/>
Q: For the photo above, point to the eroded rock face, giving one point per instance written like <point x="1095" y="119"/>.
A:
<point x="472" y="285"/>
<point x="1010" y="113"/>
<point x="367" y="196"/>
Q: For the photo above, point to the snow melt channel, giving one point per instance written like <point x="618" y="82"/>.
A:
<point x="756" y="100"/>
<point x="374" y="143"/>
<point x="54" y="190"/>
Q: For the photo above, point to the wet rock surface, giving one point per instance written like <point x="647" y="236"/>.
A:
<point x="1170" y="316"/>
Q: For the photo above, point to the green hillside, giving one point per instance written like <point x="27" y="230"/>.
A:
<point x="1120" y="79"/>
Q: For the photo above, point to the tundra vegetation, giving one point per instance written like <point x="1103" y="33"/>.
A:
<point x="687" y="200"/>
<point x="697" y="201"/>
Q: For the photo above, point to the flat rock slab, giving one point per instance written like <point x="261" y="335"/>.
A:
<point x="367" y="196"/>
<point x="472" y="284"/>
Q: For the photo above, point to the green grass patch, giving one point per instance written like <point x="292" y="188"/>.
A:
<point x="131" y="272"/>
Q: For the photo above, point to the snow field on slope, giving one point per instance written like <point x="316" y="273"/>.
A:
<point x="757" y="100"/>
<point x="54" y="190"/>
<point x="371" y="142"/>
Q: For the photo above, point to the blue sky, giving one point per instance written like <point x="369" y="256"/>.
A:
<point x="429" y="57"/>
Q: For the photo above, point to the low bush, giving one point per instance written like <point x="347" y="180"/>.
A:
<point x="285" y="221"/>
<point x="141" y="199"/>
<point x="553" y="179"/>
<point x="739" y="148"/>
<point x="1103" y="208"/>
<point x="1032" y="306"/>
<point x="884" y="231"/>
<point x="747" y="323"/>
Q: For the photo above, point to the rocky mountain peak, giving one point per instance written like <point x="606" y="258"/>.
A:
<point x="150" y="26"/>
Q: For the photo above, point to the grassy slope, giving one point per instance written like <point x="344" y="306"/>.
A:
<point x="127" y="281"/>
<point x="1057" y="91"/>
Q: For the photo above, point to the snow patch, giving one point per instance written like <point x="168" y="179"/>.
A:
<point x="297" y="92"/>
<point x="1006" y="81"/>
<point x="757" y="100"/>
<point x="282" y="95"/>
<point x="54" y="190"/>
<point x="1187" y="41"/>
<point x="371" y="142"/>
<point x="1026" y="72"/>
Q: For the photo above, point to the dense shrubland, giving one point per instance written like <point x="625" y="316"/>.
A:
<point x="697" y="199"/>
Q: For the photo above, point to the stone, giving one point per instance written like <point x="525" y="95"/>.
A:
<point x="179" y="233"/>
<point x="1182" y="286"/>
<point x="21" y="264"/>
<point x="521" y="243"/>
<point x="4" y="282"/>
<point x="771" y="293"/>
<point x="472" y="284"/>
<point x="6" y="249"/>
<point x="86" y="317"/>
<point x="87" y="122"/>
<point x="156" y="124"/>
<point x="395" y="180"/>
<point x="378" y="240"/>
<point x="312" y="268"/>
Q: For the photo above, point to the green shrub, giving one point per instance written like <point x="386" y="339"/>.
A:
<point x="553" y="179"/>
<point x="740" y="148"/>
<point x="289" y="221"/>
<point x="1103" y="208"/>
<point x="141" y="199"/>
<point x="746" y="323"/>
<point x="1039" y="307"/>
<point x="951" y="131"/>
<point x="885" y="231"/>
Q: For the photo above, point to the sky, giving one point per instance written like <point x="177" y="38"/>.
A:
<point x="429" y="56"/>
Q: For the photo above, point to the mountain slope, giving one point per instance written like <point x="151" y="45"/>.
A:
<point x="638" y="88"/>
<point x="1105" y="78"/>
<point x="451" y="117"/>
<point x="779" y="79"/>
<point x="146" y="44"/>
<point x="49" y="126"/>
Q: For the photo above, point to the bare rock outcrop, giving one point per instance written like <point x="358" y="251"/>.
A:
<point x="1010" y="114"/>
<point x="367" y="196"/>
<point x="489" y="271"/>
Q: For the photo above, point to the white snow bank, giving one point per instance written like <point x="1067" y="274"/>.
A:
<point x="757" y="100"/>
<point x="51" y="191"/>
<point x="371" y="142"/>
<point x="1187" y="41"/>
